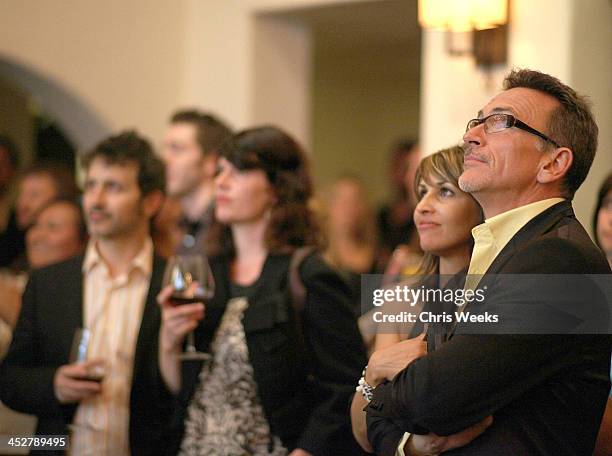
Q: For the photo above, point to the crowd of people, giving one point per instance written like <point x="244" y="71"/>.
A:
<point x="294" y="362"/>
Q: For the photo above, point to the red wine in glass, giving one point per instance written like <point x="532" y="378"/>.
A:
<point x="191" y="278"/>
<point x="182" y="300"/>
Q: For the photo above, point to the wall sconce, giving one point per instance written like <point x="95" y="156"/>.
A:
<point x="484" y="21"/>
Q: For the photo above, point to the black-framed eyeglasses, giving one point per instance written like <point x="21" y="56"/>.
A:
<point x="500" y="121"/>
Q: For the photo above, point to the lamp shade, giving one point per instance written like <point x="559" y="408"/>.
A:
<point x="462" y="15"/>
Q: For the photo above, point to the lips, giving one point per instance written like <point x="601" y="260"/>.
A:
<point x="426" y="225"/>
<point x="221" y="199"/>
<point x="473" y="158"/>
<point x="97" y="216"/>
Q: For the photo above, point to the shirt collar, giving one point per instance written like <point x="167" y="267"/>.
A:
<point x="504" y="226"/>
<point x="143" y="261"/>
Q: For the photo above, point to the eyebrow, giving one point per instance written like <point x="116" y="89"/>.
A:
<point x="437" y="182"/>
<point x="497" y="110"/>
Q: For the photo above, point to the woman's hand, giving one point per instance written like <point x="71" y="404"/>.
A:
<point x="385" y="364"/>
<point x="432" y="444"/>
<point x="299" y="452"/>
<point x="177" y="321"/>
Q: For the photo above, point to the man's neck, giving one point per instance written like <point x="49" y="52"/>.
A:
<point x="119" y="252"/>
<point x="494" y="204"/>
<point x="195" y="203"/>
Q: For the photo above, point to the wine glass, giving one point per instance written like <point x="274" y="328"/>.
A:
<point x="192" y="280"/>
<point x="81" y="343"/>
<point x="79" y="352"/>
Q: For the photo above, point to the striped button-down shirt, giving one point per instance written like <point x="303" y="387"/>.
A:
<point x="112" y="310"/>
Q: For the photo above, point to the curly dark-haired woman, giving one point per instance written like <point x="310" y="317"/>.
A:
<point x="280" y="377"/>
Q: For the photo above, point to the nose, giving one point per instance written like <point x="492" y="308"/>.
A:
<point x="474" y="136"/>
<point x="34" y="234"/>
<point x="95" y="195"/>
<point x="221" y="179"/>
<point x="425" y="206"/>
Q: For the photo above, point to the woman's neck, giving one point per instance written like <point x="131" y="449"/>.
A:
<point x="251" y="251"/>
<point x="453" y="262"/>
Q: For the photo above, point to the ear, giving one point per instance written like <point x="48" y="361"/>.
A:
<point x="209" y="165"/>
<point x="555" y="165"/>
<point x="152" y="203"/>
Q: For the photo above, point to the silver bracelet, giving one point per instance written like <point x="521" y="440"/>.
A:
<point x="366" y="390"/>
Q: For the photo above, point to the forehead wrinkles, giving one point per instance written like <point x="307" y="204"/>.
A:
<point x="530" y="106"/>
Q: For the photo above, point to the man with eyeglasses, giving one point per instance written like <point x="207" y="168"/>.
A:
<point x="526" y="154"/>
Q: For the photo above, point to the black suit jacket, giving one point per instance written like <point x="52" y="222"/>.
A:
<point x="546" y="392"/>
<point x="305" y="375"/>
<point x="51" y="311"/>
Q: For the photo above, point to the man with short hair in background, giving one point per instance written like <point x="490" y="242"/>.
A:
<point x="190" y="151"/>
<point x="111" y="292"/>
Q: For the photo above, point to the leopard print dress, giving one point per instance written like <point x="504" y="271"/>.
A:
<point x="225" y="416"/>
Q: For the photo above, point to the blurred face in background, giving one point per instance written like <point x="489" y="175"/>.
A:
<point x="186" y="165"/>
<point x="411" y="165"/>
<point x="35" y="190"/>
<point x="604" y="225"/>
<point x="348" y="205"/>
<point x="55" y="235"/>
<point x="444" y="216"/>
<point x="241" y="196"/>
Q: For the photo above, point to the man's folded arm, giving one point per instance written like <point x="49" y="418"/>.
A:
<point x="469" y="378"/>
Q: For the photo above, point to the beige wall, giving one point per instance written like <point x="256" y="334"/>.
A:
<point x="123" y="59"/>
<point x="132" y="62"/>
<point x="363" y="100"/>
<point x="573" y="43"/>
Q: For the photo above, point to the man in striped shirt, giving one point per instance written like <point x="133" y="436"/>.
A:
<point x="111" y="292"/>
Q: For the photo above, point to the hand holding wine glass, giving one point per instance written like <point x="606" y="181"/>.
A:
<point x="188" y="284"/>
<point x="81" y="377"/>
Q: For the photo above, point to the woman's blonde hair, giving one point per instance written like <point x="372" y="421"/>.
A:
<point x="446" y="165"/>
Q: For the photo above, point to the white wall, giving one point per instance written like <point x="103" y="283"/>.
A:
<point x="591" y="60"/>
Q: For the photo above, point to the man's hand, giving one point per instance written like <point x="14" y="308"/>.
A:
<point x="71" y="383"/>
<point x="385" y="364"/>
<point x="432" y="444"/>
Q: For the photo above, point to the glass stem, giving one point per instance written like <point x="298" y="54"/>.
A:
<point x="191" y="348"/>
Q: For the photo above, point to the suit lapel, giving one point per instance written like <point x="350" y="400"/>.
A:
<point x="149" y="324"/>
<point x="67" y="301"/>
<point x="535" y="228"/>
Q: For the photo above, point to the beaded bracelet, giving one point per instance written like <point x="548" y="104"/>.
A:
<point x="366" y="390"/>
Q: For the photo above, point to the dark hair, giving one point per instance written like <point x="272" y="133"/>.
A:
<point x="402" y="147"/>
<point x="211" y="132"/>
<point x="570" y="125"/>
<point x="606" y="186"/>
<point x="292" y="222"/>
<point x="11" y="148"/>
<point x="129" y="147"/>
<point x="82" y="227"/>
<point x="446" y="164"/>
<point x="62" y="177"/>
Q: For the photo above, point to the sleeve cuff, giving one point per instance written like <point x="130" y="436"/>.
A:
<point x="402" y="444"/>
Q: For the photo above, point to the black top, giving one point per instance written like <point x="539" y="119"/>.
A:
<point x="304" y="384"/>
